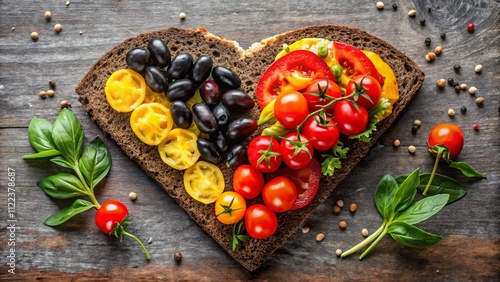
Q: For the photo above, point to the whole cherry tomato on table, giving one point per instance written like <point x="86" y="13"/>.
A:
<point x="448" y="135"/>
<point x="350" y="120"/>
<point x="365" y="85"/>
<point x="230" y="207"/>
<point x="321" y="92"/>
<point x="279" y="194"/>
<point x="323" y="131"/>
<point x="264" y="153"/>
<point x="297" y="151"/>
<point x="260" y="221"/>
<point x="248" y="181"/>
<point x="291" y="109"/>
<point x="111" y="219"/>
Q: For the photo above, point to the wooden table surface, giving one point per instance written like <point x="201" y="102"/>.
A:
<point x="77" y="250"/>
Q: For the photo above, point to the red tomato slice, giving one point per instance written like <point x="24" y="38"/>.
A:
<point x="355" y="62"/>
<point x="306" y="182"/>
<point x="273" y="79"/>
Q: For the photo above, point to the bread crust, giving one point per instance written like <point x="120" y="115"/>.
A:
<point x="249" y="65"/>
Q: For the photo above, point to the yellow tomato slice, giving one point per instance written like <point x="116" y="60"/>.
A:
<point x="151" y="123"/>
<point x="204" y="182"/>
<point x="179" y="149"/>
<point x="390" y="88"/>
<point x="125" y="90"/>
<point x="154" y="97"/>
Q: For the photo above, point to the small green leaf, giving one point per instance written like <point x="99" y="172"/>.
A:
<point x="442" y="184"/>
<point x="340" y="151"/>
<point x="412" y="236"/>
<point x="62" y="186"/>
<point x="330" y="164"/>
<point x="42" y="154"/>
<point x="423" y="209"/>
<point x="63" y="215"/>
<point x="384" y="196"/>
<point x="406" y="191"/>
<point x="62" y="162"/>
<point x="467" y="169"/>
<point x="68" y="135"/>
<point x="95" y="162"/>
<point x="40" y="134"/>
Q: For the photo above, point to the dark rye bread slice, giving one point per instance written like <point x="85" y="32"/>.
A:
<point x="249" y="65"/>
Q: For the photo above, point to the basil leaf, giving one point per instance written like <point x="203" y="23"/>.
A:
<point x="406" y="192"/>
<point x="62" y="186"/>
<point x="95" y="162"/>
<point x="68" y="135"/>
<point x="42" y="154"/>
<point x="62" y="162"/>
<point x="442" y="184"/>
<point x="63" y="215"/>
<point x="467" y="169"/>
<point x="423" y="209"/>
<point x="384" y="196"/>
<point x="412" y="236"/>
<point x="40" y="134"/>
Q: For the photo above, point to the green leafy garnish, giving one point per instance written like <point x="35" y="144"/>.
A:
<point x="374" y="113"/>
<point x="236" y="235"/>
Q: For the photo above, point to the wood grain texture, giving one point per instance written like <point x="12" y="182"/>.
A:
<point x="470" y="249"/>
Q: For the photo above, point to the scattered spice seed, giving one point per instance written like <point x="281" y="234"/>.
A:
<point x="396" y="143"/>
<point x="438" y="50"/>
<point x="422" y="21"/>
<point x="450" y="81"/>
<point x="340" y="203"/>
<point x="50" y="93"/>
<point x="305" y="229"/>
<point x="412" y="149"/>
<point x="441" y="82"/>
<point x="81" y="32"/>
<point x="342" y="224"/>
<point x="65" y="104"/>
<point x="472" y="90"/>
<point x="456" y="68"/>
<point x="476" y="127"/>
<point x="52" y="84"/>
<point x="338" y="252"/>
<point x="150" y="240"/>
<point x="417" y="122"/>
<point x="132" y="196"/>
<point x="34" y="35"/>
<point x="432" y="55"/>
<point x="412" y="13"/>
<point x="455" y="84"/>
<point x="182" y="15"/>
<point x="177" y="256"/>
<point x="463" y="109"/>
<point x="353" y="207"/>
<point x="320" y="237"/>
<point x="67" y="3"/>
<point x="443" y="35"/>
<point x="457" y="89"/>
<point x="336" y="209"/>
<point x="365" y="232"/>
<point x="42" y="94"/>
<point x="394" y="6"/>
<point x="451" y="112"/>
<point x="463" y="86"/>
<point x="480" y="101"/>
<point x="414" y="129"/>
<point x="380" y="5"/>
<point x="58" y="28"/>
<point x="427" y="41"/>
<point x="478" y="68"/>
<point x="47" y="15"/>
<point x="470" y="27"/>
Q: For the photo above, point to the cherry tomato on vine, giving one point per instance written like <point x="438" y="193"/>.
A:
<point x="260" y="221"/>
<point x="306" y="182"/>
<point x="448" y="135"/>
<point x="291" y="109"/>
<point x="318" y="91"/>
<point x="248" y="181"/>
<point x="324" y="135"/>
<point x="230" y="207"/>
<point x="264" y="153"/>
<point x="350" y="121"/>
<point x="365" y="84"/>
<point x="297" y="151"/>
<point x="279" y="194"/>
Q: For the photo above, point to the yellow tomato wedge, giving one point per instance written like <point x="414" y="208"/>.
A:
<point x="390" y="88"/>
<point x="179" y="149"/>
<point x="154" y="97"/>
<point x="125" y="90"/>
<point x="151" y="123"/>
<point x="204" y="182"/>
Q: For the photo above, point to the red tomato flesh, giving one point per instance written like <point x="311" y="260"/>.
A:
<point x="354" y="62"/>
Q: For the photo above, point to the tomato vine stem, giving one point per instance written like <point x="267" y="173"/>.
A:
<point x="434" y="169"/>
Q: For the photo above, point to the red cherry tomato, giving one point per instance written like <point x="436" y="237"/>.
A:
<point x="264" y="153"/>
<point x="448" y="135"/>
<point x="370" y="87"/>
<point x="273" y="79"/>
<point x="291" y="109"/>
<point x="350" y="121"/>
<point x="296" y="154"/>
<point x="306" y="182"/>
<point x="109" y="214"/>
<point x="260" y="221"/>
<point x="323" y="136"/>
<point x="279" y="194"/>
<point x="318" y="91"/>
<point x="248" y="181"/>
<point x="355" y="62"/>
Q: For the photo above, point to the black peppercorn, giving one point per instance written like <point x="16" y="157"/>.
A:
<point x="427" y="41"/>
<point x="422" y="21"/>
<point x="457" y="89"/>
<point x="414" y="129"/>
<point x="52" y="84"/>
<point x="463" y="109"/>
<point x="455" y="84"/>
<point x="456" y="68"/>
<point x="450" y="81"/>
<point x="443" y="36"/>
<point x="394" y="6"/>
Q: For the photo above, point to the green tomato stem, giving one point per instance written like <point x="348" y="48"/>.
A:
<point x="436" y="163"/>
<point x="366" y="241"/>
<point x="374" y="243"/>
<point x="148" y="257"/>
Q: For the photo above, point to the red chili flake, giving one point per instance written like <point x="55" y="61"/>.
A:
<point x="476" y="126"/>
<point x="470" y="27"/>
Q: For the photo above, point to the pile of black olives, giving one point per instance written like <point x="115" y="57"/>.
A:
<point x="179" y="78"/>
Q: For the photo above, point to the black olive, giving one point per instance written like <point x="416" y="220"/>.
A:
<point x="181" y="114"/>
<point x="155" y="79"/>
<point x="210" y="93"/>
<point x="236" y="156"/>
<point x="208" y="150"/>
<point x="222" y="115"/>
<point x="226" y="78"/>
<point x="181" y="89"/>
<point x="204" y="119"/>
<point x="180" y="66"/>
<point x="137" y="59"/>
<point x="220" y="141"/>
<point x="237" y="101"/>
<point x="241" y="128"/>
<point x="160" y="54"/>
<point x="201" y="69"/>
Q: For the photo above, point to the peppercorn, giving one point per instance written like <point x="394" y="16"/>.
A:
<point x="476" y="127"/>
<point x="451" y="112"/>
<point x="58" y="28"/>
<point x="320" y="237"/>
<point x="380" y="5"/>
<point x="412" y="149"/>
<point x="457" y="89"/>
<point x="396" y="143"/>
<point x="472" y="90"/>
<point x="463" y="109"/>
<point x="478" y="68"/>
<point x="305" y="229"/>
<point x="441" y="82"/>
<point x="132" y="196"/>
<point x="336" y="209"/>
<point x="353" y="207"/>
<point x="438" y="50"/>
<point x="178" y="256"/>
<point x="412" y="13"/>
<point x="42" y="94"/>
<point x="47" y="15"/>
<point x="443" y="35"/>
<point x="456" y="68"/>
<point x="470" y="27"/>
<point x="414" y="129"/>
<point x="394" y="6"/>
<point x="480" y="101"/>
<point x="52" y="84"/>
<point x="427" y="41"/>
<point x="450" y="81"/>
<point x="342" y="224"/>
<point x="422" y="21"/>
<point x="50" y="93"/>
<point x="34" y="35"/>
<point x="338" y="252"/>
<point x="364" y="232"/>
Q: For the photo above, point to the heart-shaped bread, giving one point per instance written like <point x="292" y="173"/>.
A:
<point x="249" y="65"/>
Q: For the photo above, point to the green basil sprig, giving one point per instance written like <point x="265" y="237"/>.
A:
<point x="394" y="200"/>
<point x="62" y="142"/>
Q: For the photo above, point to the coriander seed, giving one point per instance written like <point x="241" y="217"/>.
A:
<point x="182" y="15"/>
<point x="480" y="101"/>
<point x="412" y="149"/>
<point x="463" y="86"/>
<point x="336" y="209"/>
<point x="417" y="122"/>
<point x="472" y="90"/>
<point x="478" y="68"/>
<point x="34" y="35"/>
<point x="438" y="50"/>
<point x="132" y="196"/>
<point x="380" y="5"/>
<point x="451" y="112"/>
<point x="58" y="28"/>
<point x="42" y="94"/>
<point x="340" y="203"/>
<point x="65" y="104"/>
<point x="320" y="237"/>
<point x="177" y="256"/>
<point x="342" y="224"/>
<point x="441" y="82"/>
<point x="338" y="252"/>
<point x="50" y="93"/>
<point x="47" y="15"/>
<point x="353" y="207"/>
<point x="412" y="13"/>
<point x="305" y="229"/>
<point x="365" y="232"/>
<point x="396" y="143"/>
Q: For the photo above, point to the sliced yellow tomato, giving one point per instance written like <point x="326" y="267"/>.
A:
<point x="154" y="97"/>
<point x="125" y="90"/>
<point x="390" y="88"/>
<point x="204" y="182"/>
<point x="179" y="149"/>
<point x="151" y="123"/>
